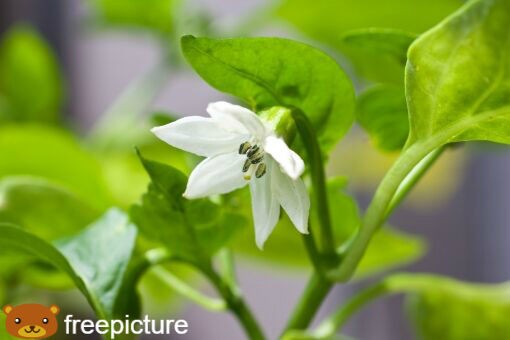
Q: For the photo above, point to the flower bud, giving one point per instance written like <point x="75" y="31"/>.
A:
<point x="280" y="120"/>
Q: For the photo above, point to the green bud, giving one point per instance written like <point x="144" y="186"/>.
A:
<point x="280" y="119"/>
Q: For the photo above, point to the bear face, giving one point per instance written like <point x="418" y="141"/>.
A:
<point x="31" y="321"/>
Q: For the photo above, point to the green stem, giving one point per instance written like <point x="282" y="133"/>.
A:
<point x="414" y="177"/>
<point x="313" y="150"/>
<point x="315" y="292"/>
<point x="236" y="305"/>
<point x="181" y="287"/>
<point x="335" y="322"/>
<point x="228" y="270"/>
<point x="313" y="253"/>
<point x="378" y="208"/>
<point x="412" y="155"/>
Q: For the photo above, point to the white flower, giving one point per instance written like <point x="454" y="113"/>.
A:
<point x="241" y="149"/>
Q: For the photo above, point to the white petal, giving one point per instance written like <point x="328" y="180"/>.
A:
<point x="293" y="197"/>
<point x="199" y="135"/>
<point x="216" y="175"/>
<point x="289" y="161"/>
<point x="265" y="206"/>
<point x="237" y="119"/>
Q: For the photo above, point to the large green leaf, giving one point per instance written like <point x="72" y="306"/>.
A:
<point x="458" y="77"/>
<point x="327" y="21"/>
<point x="156" y="15"/>
<point x="95" y="259"/>
<point x="191" y="229"/>
<point x="30" y="80"/>
<point x="54" y="154"/>
<point x="382" y="112"/>
<point x="266" y="72"/>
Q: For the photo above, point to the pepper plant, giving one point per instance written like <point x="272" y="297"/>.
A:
<point x="293" y="104"/>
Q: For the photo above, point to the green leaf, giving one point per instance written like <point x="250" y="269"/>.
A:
<point x="95" y="260"/>
<point x="101" y="254"/>
<point x="193" y="230"/>
<point x="30" y="80"/>
<point x="458" y="77"/>
<point x="327" y="21"/>
<point x="53" y="211"/>
<point x="266" y="72"/>
<point x="156" y="15"/>
<point x="382" y="112"/>
<point x="381" y="42"/>
<point x="53" y="154"/>
<point x="443" y="308"/>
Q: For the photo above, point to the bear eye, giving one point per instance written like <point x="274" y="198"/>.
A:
<point x="45" y="321"/>
<point x="17" y="321"/>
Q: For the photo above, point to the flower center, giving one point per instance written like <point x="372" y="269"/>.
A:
<point x="254" y="161"/>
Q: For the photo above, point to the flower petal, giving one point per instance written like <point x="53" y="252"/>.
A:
<point x="237" y="119"/>
<point x="293" y="197"/>
<point x="199" y="135"/>
<point x="216" y="175"/>
<point x="265" y="206"/>
<point x="289" y="161"/>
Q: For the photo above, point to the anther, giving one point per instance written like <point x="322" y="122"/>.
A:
<point x="261" y="170"/>
<point x="246" y="165"/>
<point x="252" y="151"/>
<point x="243" y="148"/>
<point x="257" y="160"/>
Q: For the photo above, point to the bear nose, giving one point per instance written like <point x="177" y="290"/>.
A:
<point x="31" y="327"/>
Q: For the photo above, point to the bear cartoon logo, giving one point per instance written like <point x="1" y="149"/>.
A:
<point x="31" y="321"/>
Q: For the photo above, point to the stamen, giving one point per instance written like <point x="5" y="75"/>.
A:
<point x="261" y="170"/>
<point x="253" y="150"/>
<point x="246" y="165"/>
<point x="243" y="148"/>
<point x="257" y="160"/>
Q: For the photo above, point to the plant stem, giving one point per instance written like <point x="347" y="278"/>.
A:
<point x="315" y="292"/>
<point x="313" y="253"/>
<point x="335" y="322"/>
<point x="312" y="147"/>
<point x="236" y="305"/>
<point x="414" y="176"/>
<point x="378" y="209"/>
<point x="181" y="287"/>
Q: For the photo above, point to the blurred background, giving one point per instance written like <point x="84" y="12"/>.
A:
<point x="104" y="77"/>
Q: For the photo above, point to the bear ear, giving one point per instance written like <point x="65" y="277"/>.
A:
<point x="54" y="309"/>
<point x="7" y="309"/>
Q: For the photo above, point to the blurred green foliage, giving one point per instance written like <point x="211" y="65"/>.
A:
<point x="382" y="112"/>
<point x="56" y="155"/>
<point x="442" y="308"/>
<point x="31" y="86"/>
<point x="328" y="21"/>
<point x="43" y="208"/>
<point x="153" y="15"/>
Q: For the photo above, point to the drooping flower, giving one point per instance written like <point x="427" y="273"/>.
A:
<point x="242" y="149"/>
